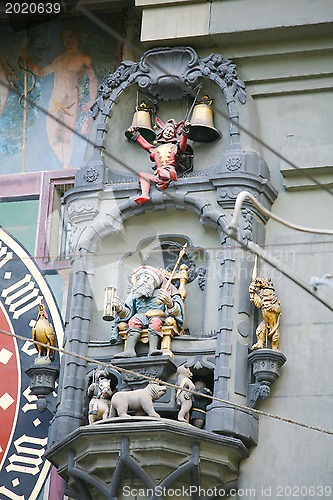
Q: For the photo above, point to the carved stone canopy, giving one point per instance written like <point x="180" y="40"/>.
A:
<point x="171" y="73"/>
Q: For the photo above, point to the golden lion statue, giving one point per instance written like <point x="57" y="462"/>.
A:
<point x="263" y="296"/>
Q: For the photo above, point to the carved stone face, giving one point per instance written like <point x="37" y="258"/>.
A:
<point x="143" y="284"/>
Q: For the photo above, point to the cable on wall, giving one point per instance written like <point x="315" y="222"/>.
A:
<point x="157" y="381"/>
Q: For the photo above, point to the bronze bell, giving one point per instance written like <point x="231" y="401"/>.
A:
<point x="142" y="122"/>
<point x="202" y="124"/>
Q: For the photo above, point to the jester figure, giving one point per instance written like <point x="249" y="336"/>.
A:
<point x="171" y="144"/>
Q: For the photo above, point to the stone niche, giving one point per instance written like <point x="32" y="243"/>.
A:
<point x="99" y="460"/>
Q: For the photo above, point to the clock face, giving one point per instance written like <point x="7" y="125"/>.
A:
<point x="23" y="429"/>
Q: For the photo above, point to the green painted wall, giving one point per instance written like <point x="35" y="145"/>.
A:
<point x="19" y="218"/>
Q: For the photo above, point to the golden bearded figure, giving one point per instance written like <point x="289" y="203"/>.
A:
<point x="263" y="296"/>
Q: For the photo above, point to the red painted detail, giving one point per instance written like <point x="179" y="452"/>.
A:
<point x="9" y="384"/>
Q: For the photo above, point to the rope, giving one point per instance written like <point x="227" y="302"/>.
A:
<point x="168" y="384"/>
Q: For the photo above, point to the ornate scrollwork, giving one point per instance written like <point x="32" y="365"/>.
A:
<point x="170" y="73"/>
<point x="91" y="175"/>
<point x="202" y="278"/>
<point x="150" y="372"/>
<point x="226" y="70"/>
<point x="246" y="230"/>
<point x="114" y="80"/>
<point x="167" y="74"/>
<point x="81" y="211"/>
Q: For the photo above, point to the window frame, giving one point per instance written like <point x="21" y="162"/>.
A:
<point x="50" y="180"/>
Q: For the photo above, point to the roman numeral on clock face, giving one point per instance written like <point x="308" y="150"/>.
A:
<point x="22" y="296"/>
<point x="23" y="429"/>
<point x="5" y="256"/>
<point x="28" y="459"/>
<point x="9" y="494"/>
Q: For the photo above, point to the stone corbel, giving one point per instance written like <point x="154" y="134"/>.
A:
<point x="42" y="385"/>
<point x="83" y="210"/>
<point x="265" y="365"/>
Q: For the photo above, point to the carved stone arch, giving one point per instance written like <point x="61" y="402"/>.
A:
<point x="69" y="416"/>
<point x="113" y="221"/>
<point x="170" y="73"/>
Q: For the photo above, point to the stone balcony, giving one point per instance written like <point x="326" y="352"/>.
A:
<point x="101" y="459"/>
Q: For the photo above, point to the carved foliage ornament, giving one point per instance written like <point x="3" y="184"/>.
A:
<point x="171" y="73"/>
<point x="91" y="175"/>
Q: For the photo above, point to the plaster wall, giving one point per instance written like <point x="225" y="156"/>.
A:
<point x="288" y="455"/>
<point x="292" y="96"/>
<point x="218" y="19"/>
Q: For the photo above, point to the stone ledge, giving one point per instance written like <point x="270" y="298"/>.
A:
<point x="159" y="447"/>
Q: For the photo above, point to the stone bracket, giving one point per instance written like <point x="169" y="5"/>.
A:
<point x="265" y="364"/>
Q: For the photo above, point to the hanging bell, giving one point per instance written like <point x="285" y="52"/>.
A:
<point x="142" y="123"/>
<point x="202" y="123"/>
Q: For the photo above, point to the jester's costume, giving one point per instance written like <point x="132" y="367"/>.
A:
<point x="165" y="156"/>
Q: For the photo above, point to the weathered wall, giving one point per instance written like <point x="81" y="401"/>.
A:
<point x="58" y="65"/>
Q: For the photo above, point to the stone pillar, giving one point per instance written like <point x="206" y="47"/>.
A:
<point x="224" y="418"/>
<point x="73" y="369"/>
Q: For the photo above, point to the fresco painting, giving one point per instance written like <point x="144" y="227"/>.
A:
<point x="58" y="66"/>
<point x="11" y="87"/>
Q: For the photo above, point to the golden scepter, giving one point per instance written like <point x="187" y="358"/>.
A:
<point x="255" y="272"/>
<point x="168" y="283"/>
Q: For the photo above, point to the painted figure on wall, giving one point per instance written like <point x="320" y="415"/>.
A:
<point x="171" y="144"/>
<point x="68" y="69"/>
<point x="7" y="79"/>
<point x="10" y="134"/>
<point x="150" y="302"/>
